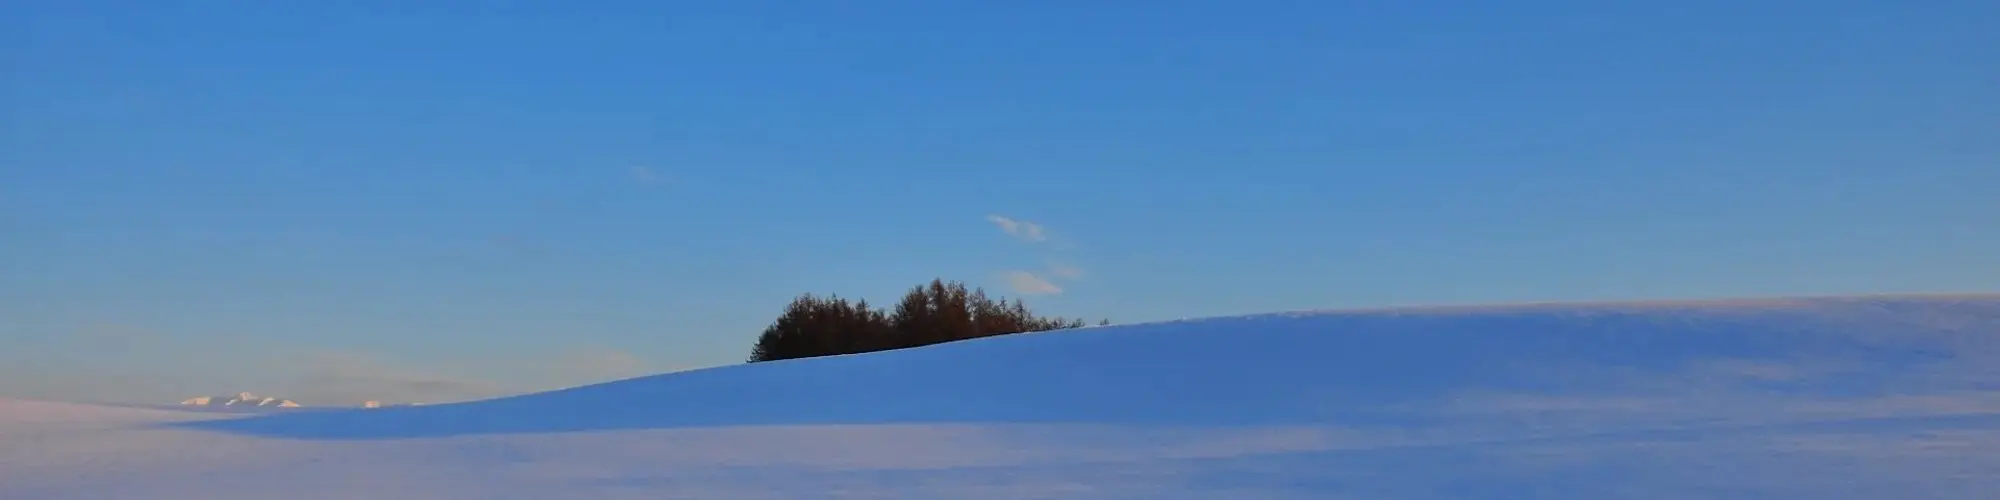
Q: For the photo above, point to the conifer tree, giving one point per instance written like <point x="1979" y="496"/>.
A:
<point x="931" y="313"/>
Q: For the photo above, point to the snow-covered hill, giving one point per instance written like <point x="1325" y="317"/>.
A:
<point x="243" y="399"/>
<point x="1840" y="398"/>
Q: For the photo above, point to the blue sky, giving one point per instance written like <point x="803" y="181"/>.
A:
<point x="335" y="200"/>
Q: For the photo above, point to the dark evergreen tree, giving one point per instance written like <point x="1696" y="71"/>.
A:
<point x="791" y="335"/>
<point x="932" y="313"/>
<point x="912" y="319"/>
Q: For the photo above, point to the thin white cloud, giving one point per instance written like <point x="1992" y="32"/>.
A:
<point x="1023" y="230"/>
<point x="1034" y="282"/>
<point x="645" y="174"/>
<point x="1064" y="270"/>
<point x="1028" y="283"/>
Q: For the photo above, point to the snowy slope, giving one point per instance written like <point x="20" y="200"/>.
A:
<point x="243" y="399"/>
<point x="1886" y="397"/>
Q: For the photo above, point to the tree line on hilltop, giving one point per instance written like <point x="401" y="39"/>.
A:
<point x="933" y="313"/>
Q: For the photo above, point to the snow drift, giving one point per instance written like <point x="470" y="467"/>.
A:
<point x="1867" y="397"/>
<point x="1814" y="358"/>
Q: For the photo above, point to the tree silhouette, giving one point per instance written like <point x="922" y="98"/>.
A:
<point x="931" y="313"/>
<point x="812" y="326"/>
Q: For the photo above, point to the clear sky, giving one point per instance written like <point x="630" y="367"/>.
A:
<point x="336" y="201"/>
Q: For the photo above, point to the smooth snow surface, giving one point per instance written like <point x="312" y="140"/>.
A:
<point x="1837" y="398"/>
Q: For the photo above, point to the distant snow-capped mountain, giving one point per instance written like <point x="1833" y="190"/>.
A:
<point x="240" y="399"/>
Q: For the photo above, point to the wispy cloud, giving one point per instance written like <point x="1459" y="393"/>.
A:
<point x="1065" y="270"/>
<point x="645" y="174"/>
<point x="1020" y="229"/>
<point x="1041" y="282"/>
<point x="1029" y="283"/>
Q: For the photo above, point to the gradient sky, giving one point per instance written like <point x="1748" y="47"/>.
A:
<point x="335" y="201"/>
